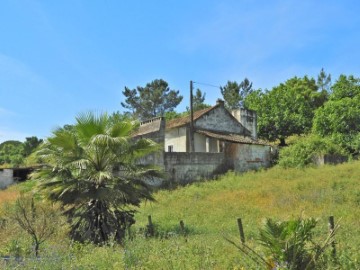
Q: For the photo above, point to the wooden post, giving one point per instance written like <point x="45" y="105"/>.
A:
<point x="192" y="146"/>
<point x="331" y="230"/>
<point x="150" y="226"/>
<point x="241" y="230"/>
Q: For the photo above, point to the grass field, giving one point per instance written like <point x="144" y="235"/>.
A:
<point x="210" y="211"/>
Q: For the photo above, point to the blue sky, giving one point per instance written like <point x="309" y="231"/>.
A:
<point x="60" y="58"/>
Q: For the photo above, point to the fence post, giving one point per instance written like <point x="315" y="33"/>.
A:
<point x="241" y="230"/>
<point x="150" y="227"/>
<point x="331" y="230"/>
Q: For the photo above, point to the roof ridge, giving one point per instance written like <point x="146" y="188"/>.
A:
<point x="177" y="122"/>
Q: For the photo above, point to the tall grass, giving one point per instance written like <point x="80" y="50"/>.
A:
<point x="210" y="210"/>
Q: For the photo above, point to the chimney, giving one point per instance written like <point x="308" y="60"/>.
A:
<point x="220" y="102"/>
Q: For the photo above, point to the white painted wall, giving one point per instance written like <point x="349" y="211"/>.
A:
<point x="177" y="138"/>
<point x="199" y="142"/>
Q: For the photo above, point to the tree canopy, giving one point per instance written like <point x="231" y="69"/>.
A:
<point x="93" y="171"/>
<point x="155" y="99"/>
<point x="13" y="153"/>
<point x="324" y="81"/>
<point x="339" y="118"/>
<point x="287" y="109"/>
<point x="235" y="93"/>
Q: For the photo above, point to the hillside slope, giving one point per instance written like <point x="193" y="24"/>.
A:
<point x="210" y="209"/>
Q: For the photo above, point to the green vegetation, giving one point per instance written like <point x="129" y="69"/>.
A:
<point x="153" y="100"/>
<point x="287" y="109"/>
<point x="14" y="153"/>
<point x="235" y="93"/>
<point x="92" y="172"/>
<point x="306" y="149"/>
<point x="209" y="211"/>
<point x="11" y="153"/>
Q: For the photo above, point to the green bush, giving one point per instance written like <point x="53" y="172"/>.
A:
<point x="303" y="151"/>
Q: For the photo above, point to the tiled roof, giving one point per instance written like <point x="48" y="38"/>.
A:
<point x="178" y="122"/>
<point x="231" y="137"/>
<point x="148" y="126"/>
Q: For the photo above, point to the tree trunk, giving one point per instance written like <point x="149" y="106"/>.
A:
<point x="282" y="142"/>
<point x="37" y="246"/>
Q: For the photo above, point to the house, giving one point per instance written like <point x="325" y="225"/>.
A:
<point x="223" y="141"/>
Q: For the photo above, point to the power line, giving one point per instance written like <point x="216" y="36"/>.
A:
<point x="207" y="84"/>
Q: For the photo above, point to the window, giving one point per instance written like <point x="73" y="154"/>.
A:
<point x="170" y="148"/>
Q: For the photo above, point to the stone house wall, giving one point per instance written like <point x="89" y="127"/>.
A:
<point x="220" y="120"/>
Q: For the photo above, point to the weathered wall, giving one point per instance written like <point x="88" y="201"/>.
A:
<point x="249" y="156"/>
<point x="177" y="138"/>
<point x="6" y="178"/>
<point x="219" y="120"/>
<point x="189" y="167"/>
<point x="329" y="159"/>
<point x="248" y="119"/>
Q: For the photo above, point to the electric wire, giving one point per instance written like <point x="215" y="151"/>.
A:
<point x="207" y="84"/>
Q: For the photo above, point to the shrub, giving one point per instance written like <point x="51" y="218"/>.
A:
<point x="303" y="152"/>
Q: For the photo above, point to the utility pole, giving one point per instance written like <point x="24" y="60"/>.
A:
<point x="192" y="148"/>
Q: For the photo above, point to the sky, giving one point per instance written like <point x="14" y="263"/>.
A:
<point x="62" y="58"/>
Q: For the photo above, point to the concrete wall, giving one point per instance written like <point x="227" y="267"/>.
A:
<point x="6" y="178"/>
<point x="248" y="119"/>
<point x="220" y="120"/>
<point x="188" y="167"/>
<point x="329" y="159"/>
<point x="177" y="138"/>
<point x="248" y="156"/>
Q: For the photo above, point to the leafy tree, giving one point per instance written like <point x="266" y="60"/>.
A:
<point x="11" y="153"/>
<point x="324" y="81"/>
<point x="234" y="93"/>
<point x="155" y="99"/>
<point x="287" y="109"/>
<point x="345" y="87"/>
<point x="30" y="145"/>
<point x="339" y="118"/>
<point x="93" y="171"/>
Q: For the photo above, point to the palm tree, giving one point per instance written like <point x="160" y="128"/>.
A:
<point x="93" y="170"/>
